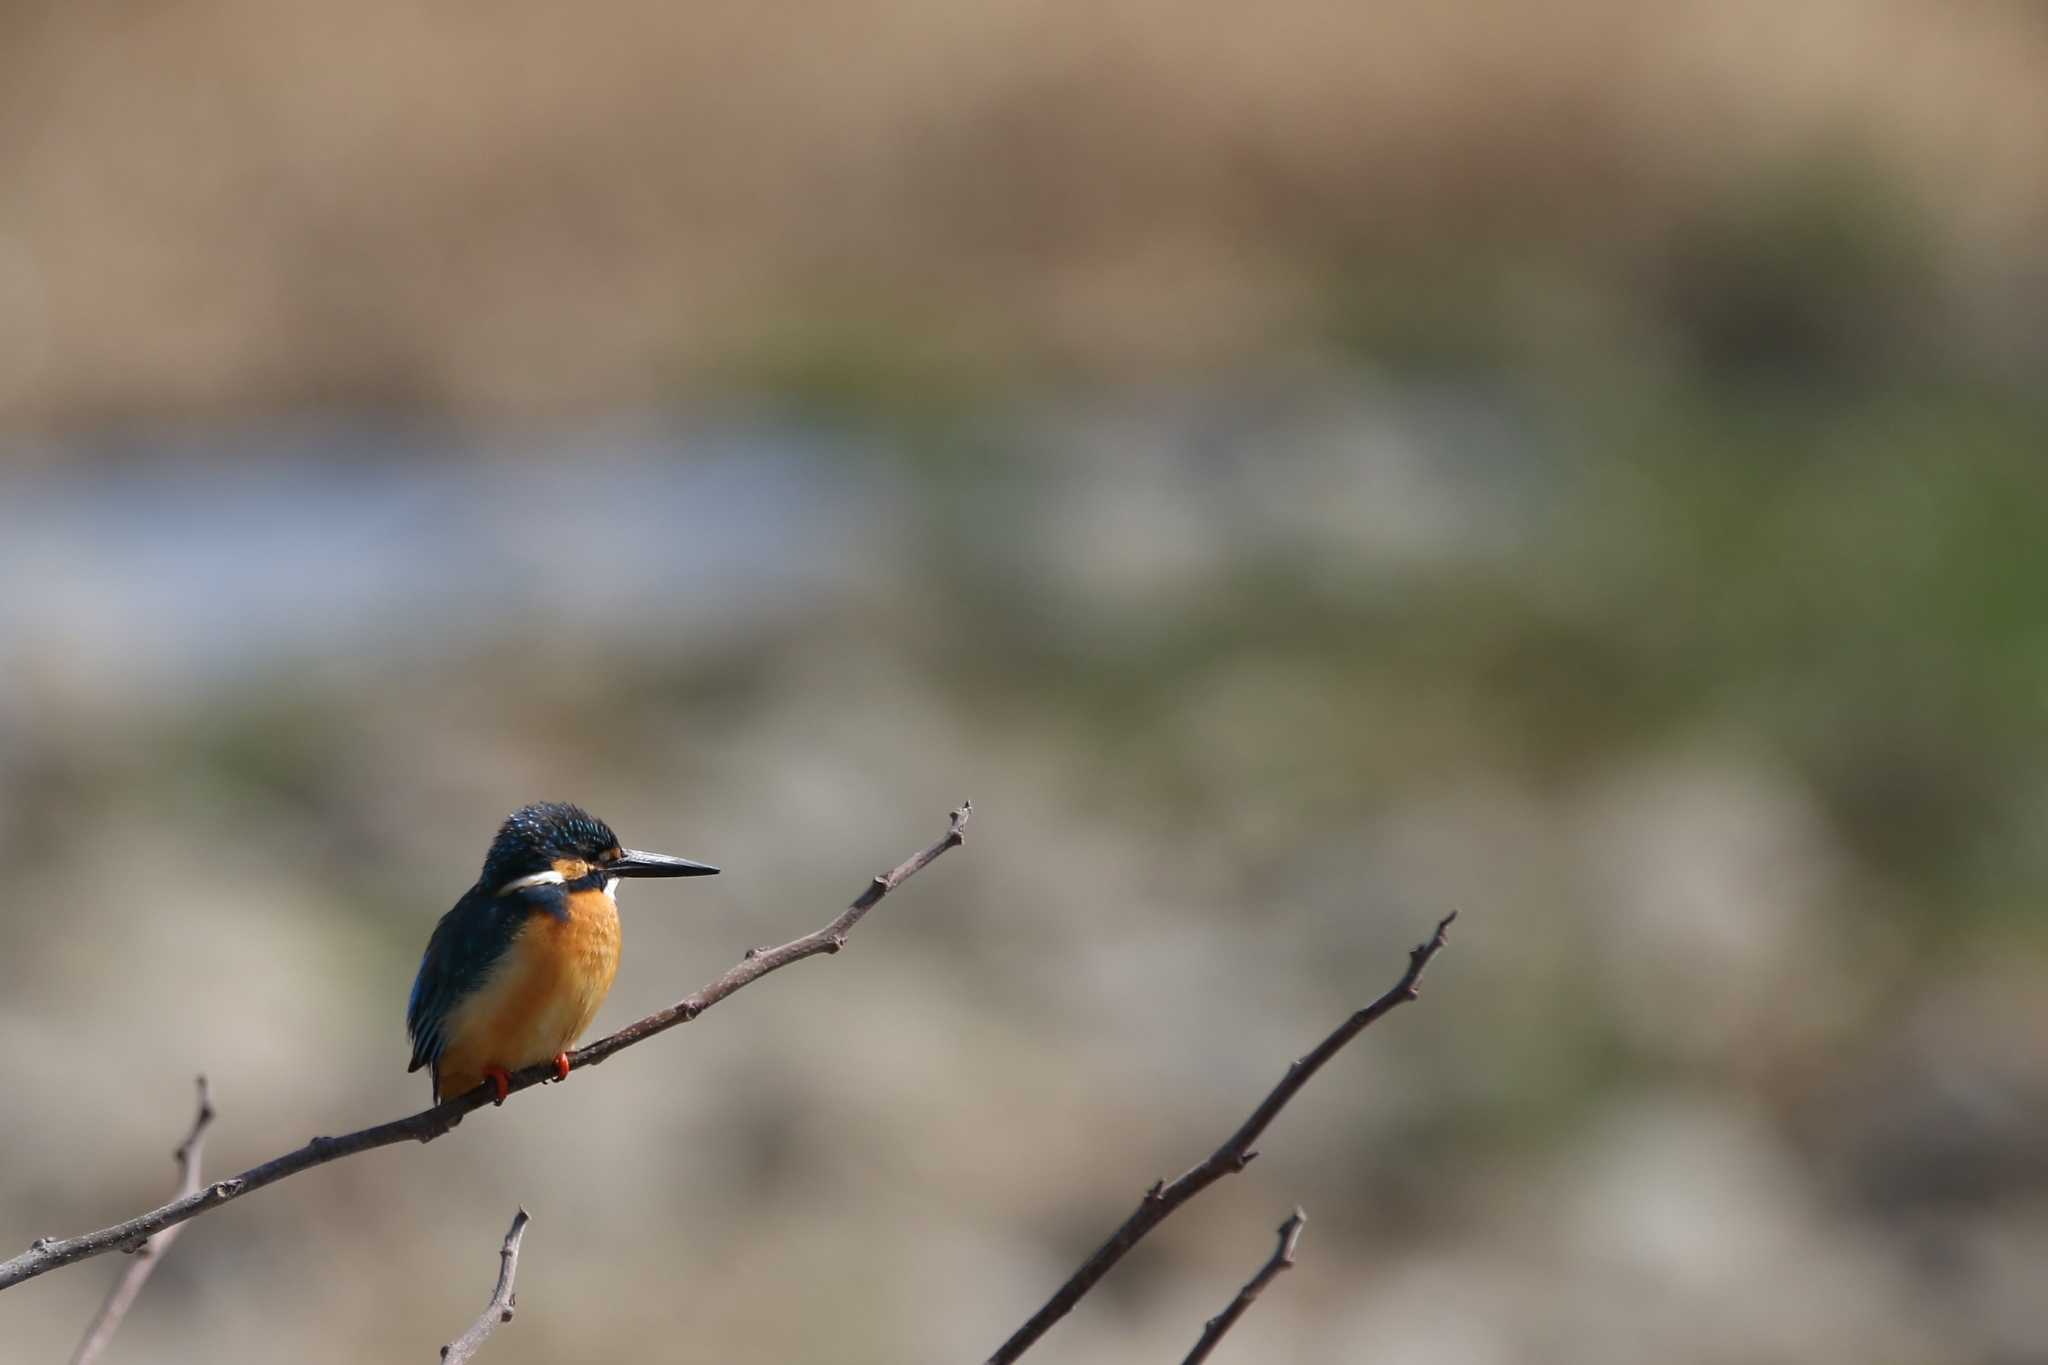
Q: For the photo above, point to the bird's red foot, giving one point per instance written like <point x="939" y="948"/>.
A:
<point x="501" y="1081"/>
<point x="561" y="1066"/>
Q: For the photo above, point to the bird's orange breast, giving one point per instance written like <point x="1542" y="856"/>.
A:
<point x="542" y="995"/>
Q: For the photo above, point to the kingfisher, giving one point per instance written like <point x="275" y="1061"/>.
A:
<point x="515" y="972"/>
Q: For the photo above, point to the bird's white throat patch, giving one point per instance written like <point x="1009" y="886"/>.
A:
<point x="547" y="878"/>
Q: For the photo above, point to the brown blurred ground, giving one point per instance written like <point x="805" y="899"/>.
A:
<point x="209" y="206"/>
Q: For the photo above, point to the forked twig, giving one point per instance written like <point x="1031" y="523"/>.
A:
<point x="499" y="1309"/>
<point x="122" y="1296"/>
<point x="1235" y="1153"/>
<point x="1281" y="1259"/>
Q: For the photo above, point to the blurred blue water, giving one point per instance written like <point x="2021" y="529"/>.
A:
<point x="213" y="556"/>
<point x="170" y="561"/>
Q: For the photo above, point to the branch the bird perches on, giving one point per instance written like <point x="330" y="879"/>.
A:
<point x="48" y="1253"/>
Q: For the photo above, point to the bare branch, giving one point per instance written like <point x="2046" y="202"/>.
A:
<point x="122" y="1296"/>
<point x="46" y="1254"/>
<point x="499" y="1309"/>
<point x="1281" y="1259"/>
<point x="1235" y="1153"/>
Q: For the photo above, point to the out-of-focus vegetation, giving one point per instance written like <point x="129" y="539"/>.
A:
<point x="1298" y="470"/>
<point x="218" y="205"/>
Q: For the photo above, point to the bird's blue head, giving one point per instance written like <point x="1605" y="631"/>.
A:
<point x="555" y="842"/>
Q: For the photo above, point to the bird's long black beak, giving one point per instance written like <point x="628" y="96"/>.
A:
<point x="633" y="863"/>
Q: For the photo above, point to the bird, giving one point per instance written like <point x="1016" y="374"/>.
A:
<point x="514" y="973"/>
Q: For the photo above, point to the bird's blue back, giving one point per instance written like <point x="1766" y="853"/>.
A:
<point x="467" y="943"/>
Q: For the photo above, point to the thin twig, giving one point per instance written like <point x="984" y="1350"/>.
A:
<point x="47" y="1253"/>
<point x="122" y="1296"/>
<point x="1235" y="1153"/>
<point x="499" y="1309"/>
<point x="1281" y="1259"/>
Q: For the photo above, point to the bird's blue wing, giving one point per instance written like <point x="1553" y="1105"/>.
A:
<point x="466" y="944"/>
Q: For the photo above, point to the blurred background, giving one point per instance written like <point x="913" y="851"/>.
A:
<point x="1299" y="469"/>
